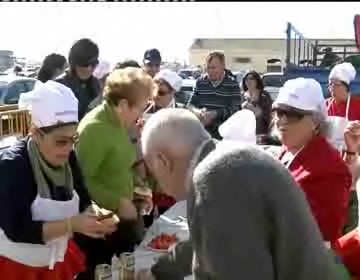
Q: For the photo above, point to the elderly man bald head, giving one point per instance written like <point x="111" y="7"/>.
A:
<point x="248" y="219"/>
<point x="169" y="140"/>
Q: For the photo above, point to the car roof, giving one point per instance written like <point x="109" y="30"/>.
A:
<point x="273" y="74"/>
<point x="11" y="78"/>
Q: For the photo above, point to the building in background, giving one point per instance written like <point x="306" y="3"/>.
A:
<point x="244" y="54"/>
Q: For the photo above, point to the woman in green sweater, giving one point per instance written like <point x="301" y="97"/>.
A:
<point x="106" y="156"/>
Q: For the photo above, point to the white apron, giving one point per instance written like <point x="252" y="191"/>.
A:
<point x="39" y="255"/>
<point x="337" y="128"/>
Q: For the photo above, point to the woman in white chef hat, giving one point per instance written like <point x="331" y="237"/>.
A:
<point x="341" y="106"/>
<point x="43" y="198"/>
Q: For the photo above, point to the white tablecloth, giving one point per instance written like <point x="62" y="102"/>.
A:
<point x="172" y="221"/>
<point x="7" y="141"/>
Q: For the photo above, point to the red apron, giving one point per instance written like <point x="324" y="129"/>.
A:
<point x="74" y="263"/>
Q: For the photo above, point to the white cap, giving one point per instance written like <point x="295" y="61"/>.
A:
<point x="102" y="69"/>
<point x="240" y="127"/>
<point x="344" y="72"/>
<point x="302" y="94"/>
<point x="50" y="104"/>
<point x="171" y="77"/>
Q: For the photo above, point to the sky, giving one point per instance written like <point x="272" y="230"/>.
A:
<point x="126" y="30"/>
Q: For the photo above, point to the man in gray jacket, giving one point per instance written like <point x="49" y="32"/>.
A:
<point x="248" y="219"/>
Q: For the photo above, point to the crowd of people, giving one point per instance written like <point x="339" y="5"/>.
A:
<point x="270" y="185"/>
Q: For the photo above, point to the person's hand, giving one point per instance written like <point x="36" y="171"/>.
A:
<point x="86" y="223"/>
<point x="352" y="136"/>
<point x="127" y="209"/>
<point x="144" y="274"/>
<point x="209" y="117"/>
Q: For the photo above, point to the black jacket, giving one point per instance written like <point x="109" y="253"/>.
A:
<point x="85" y="91"/>
<point x="18" y="191"/>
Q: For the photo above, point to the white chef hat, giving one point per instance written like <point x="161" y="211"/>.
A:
<point x="102" y="69"/>
<point x="50" y="104"/>
<point x="240" y="127"/>
<point x="344" y="72"/>
<point x="302" y="94"/>
<point x="171" y="77"/>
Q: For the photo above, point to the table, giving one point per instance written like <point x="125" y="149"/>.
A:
<point x="169" y="223"/>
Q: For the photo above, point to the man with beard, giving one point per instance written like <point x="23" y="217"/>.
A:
<point x="83" y="59"/>
<point x="243" y="225"/>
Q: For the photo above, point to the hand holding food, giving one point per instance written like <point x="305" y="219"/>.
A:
<point x="87" y="223"/>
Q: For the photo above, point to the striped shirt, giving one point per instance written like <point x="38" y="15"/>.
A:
<point x="224" y="97"/>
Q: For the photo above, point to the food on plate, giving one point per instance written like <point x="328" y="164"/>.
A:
<point x="163" y="241"/>
<point x="108" y="217"/>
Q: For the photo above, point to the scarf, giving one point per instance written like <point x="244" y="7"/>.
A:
<point x="61" y="177"/>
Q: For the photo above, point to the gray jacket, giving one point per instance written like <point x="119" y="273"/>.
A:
<point x="251" y="221"/>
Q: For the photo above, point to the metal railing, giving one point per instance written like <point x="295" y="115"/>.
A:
<point x="302" y="52"/>
<point x="13" y="121"/>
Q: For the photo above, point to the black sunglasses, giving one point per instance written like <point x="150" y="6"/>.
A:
<point x="92" y="63"/>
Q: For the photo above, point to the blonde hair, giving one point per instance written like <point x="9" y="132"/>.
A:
<point x="132" y="84"/>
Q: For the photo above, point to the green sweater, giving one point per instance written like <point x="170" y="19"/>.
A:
<point x="106" y="155"/>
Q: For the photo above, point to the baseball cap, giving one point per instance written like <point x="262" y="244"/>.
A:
<point x="50" y="104"/>
<point x="171" y="77"/>
<point x="152" y="56"/>
<point x="302" y="94"/>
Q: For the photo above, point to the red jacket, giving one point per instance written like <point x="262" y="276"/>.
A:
<point x="326" y="181"/>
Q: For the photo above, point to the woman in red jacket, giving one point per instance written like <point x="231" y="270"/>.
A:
<point x="300" y="119"/>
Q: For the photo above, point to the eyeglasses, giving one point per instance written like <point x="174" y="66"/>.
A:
<point x="291" y="116"/>
<point x="61" y="142"/>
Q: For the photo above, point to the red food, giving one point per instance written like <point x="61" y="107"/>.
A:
<point x="163" y="241"/>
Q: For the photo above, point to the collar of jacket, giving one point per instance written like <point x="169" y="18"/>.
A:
<point x="311" y="148"/>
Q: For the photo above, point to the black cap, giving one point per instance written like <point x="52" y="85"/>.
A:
<point x="152" y="56"/>
<point x="83" y="52"/>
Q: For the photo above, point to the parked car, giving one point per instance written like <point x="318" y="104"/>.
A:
<point x="11" y="87"/>
<point x="186" y="91"/>
<point x="273" y="81"/>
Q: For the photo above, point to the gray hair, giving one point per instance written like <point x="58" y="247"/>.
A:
<point x="323" y="124"/>
<point x="173" y="128"/>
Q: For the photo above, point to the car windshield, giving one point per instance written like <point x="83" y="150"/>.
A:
<point x="273" y="81"/>
<point x="2" y="87"/>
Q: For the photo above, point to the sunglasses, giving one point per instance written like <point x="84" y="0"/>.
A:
<point x="162" y="93"/>
<point x="153" y="65"/>
<point x="291" y="116"/>
<point x="92" y="63"/>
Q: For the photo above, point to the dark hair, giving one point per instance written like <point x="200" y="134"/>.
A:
<point x="83" y="52"/>
<point x="51" y="63"/>
<point x="259" y="82"/>
<point x="127" y="63"/>
<point x="215" y="54"/>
